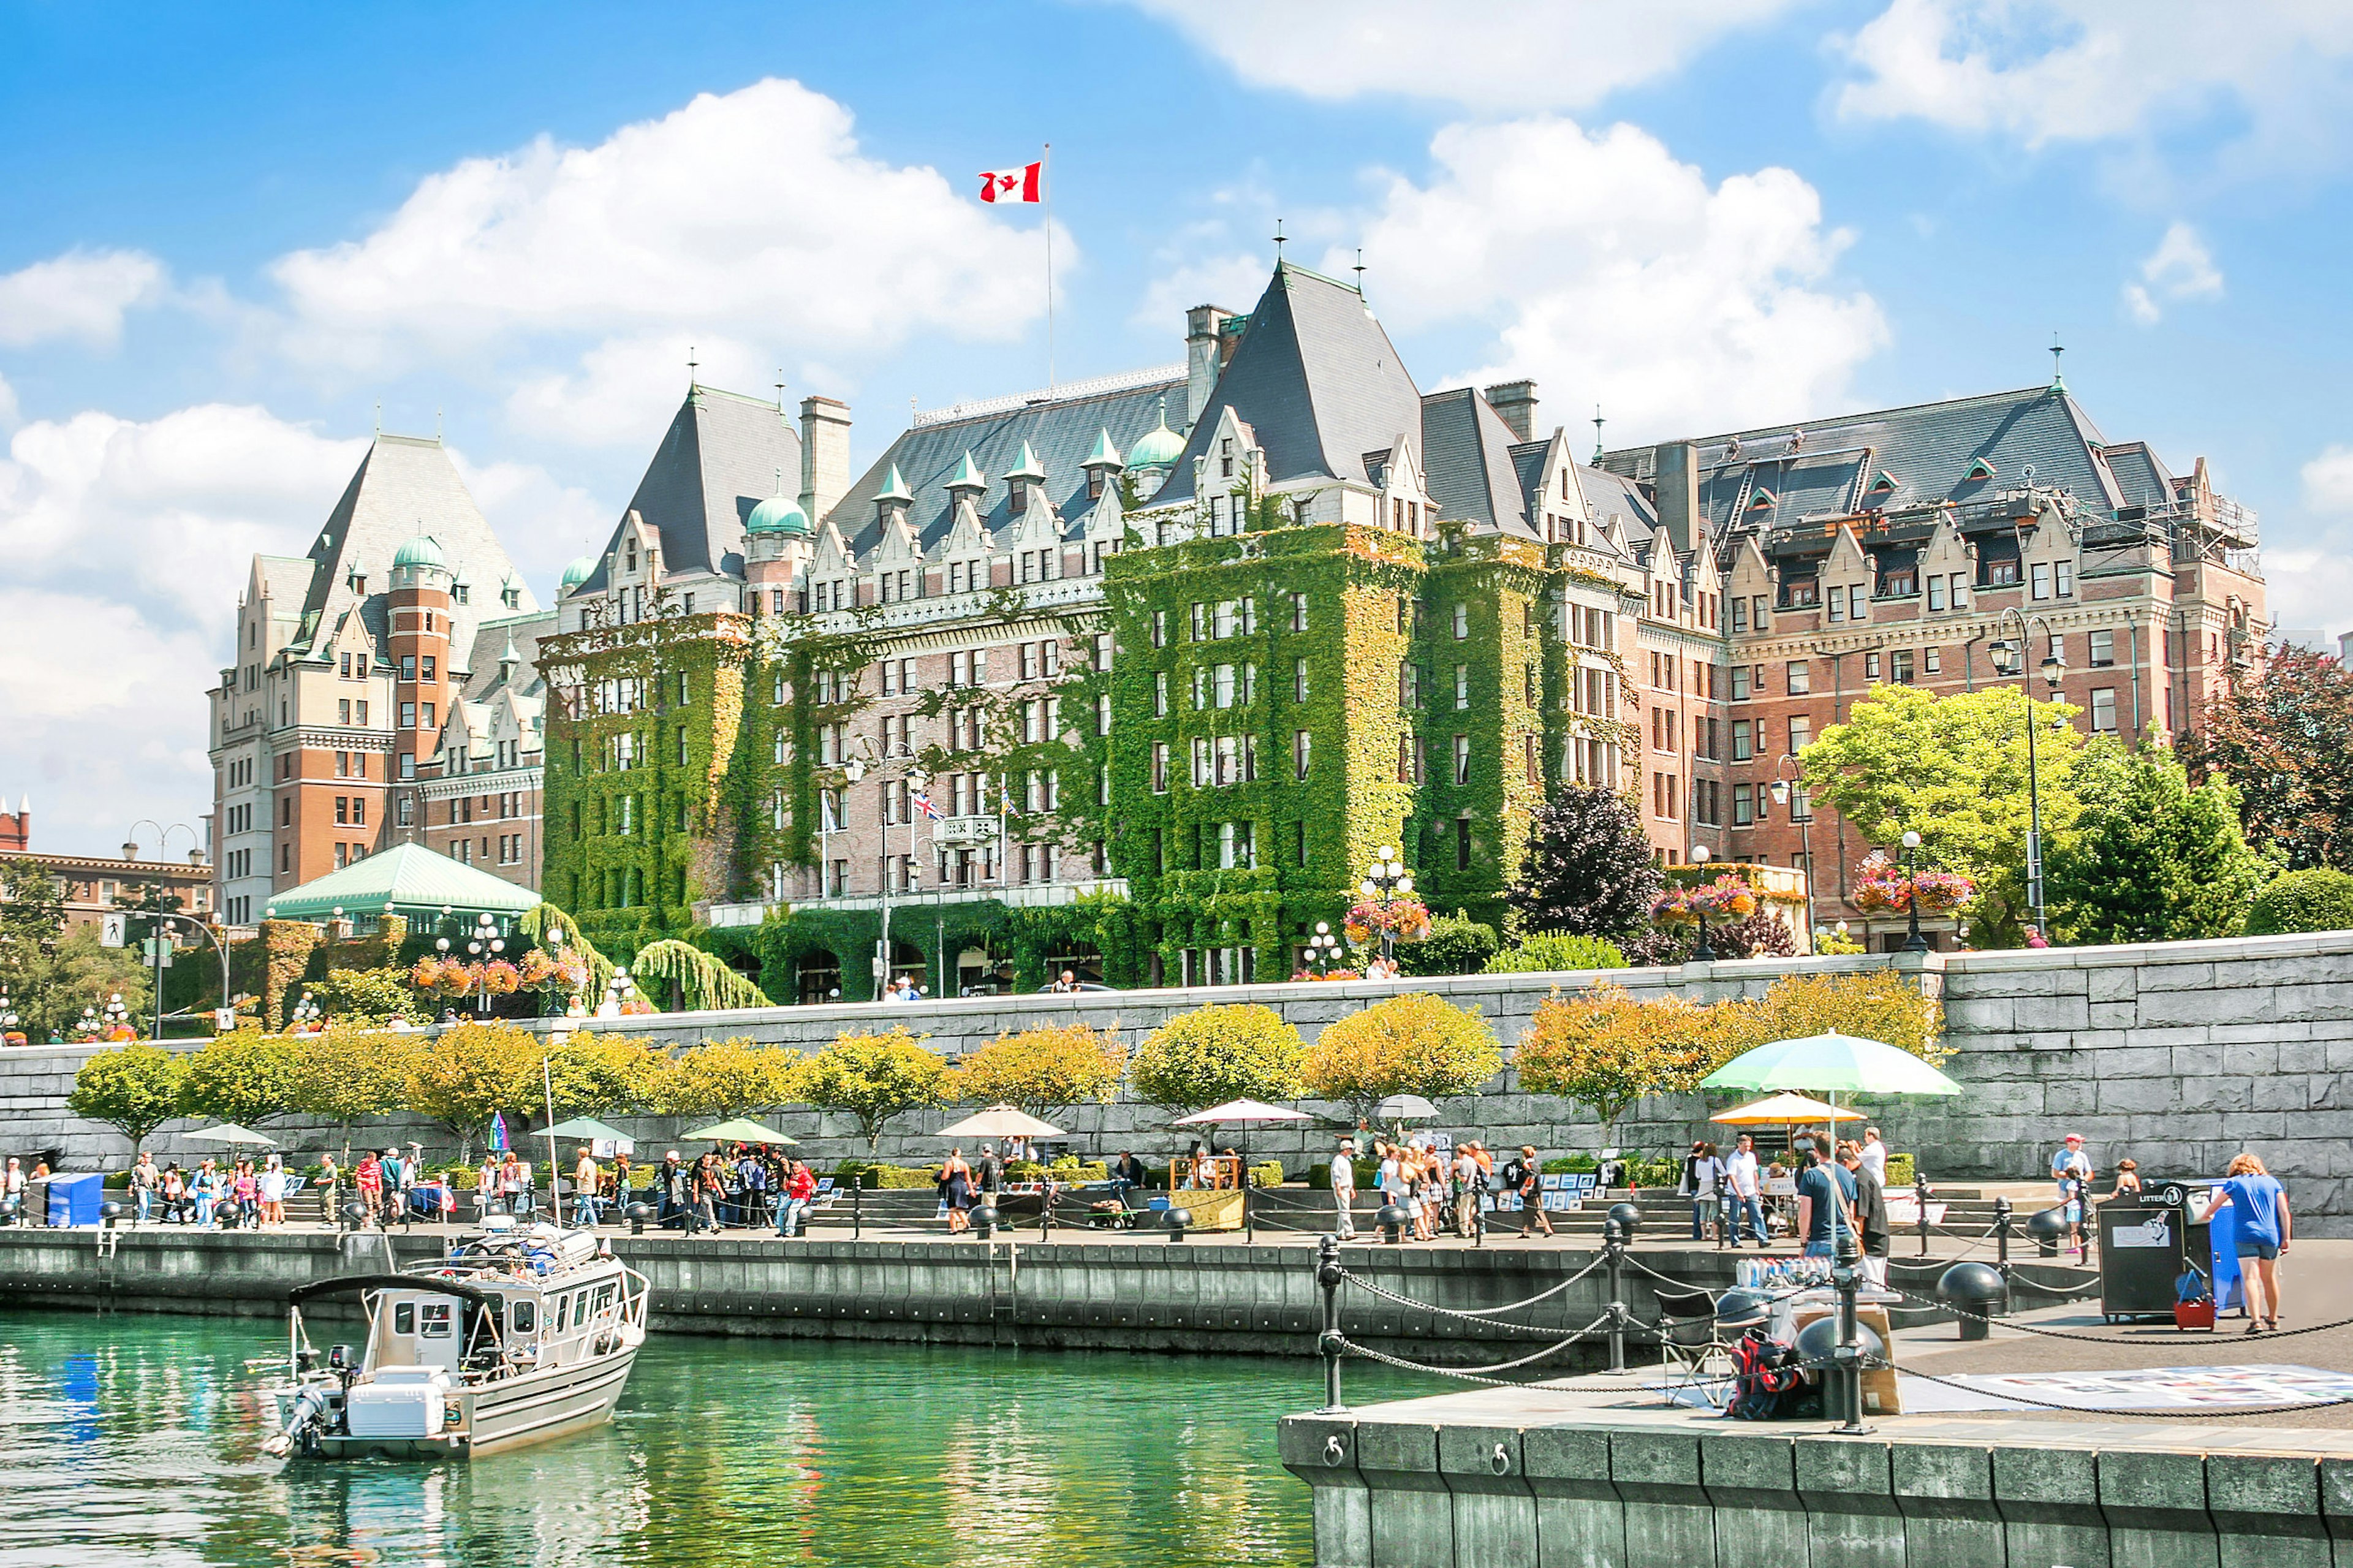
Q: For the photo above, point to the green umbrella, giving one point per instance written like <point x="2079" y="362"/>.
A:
<point x="739" y="1131"/>
<point x="1830" y="1064"/>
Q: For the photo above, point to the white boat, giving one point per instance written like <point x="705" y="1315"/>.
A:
<point x="518" y="1335"/>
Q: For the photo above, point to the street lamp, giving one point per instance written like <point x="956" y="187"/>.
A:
<point x="87" y="1025"/>
<point x="617" y="989"/>
<point x="116" y="1014"/>
<point x="1913" y="942"/>
<point x="1385" y="880"/>
<point x="9" y="1019"/>
<point x="306" y="1011"/>
<point x="856" y="769"/>
<point x="1703" y="953"/>
<point x="2009" y="659"/>
<point x="485" y="946"/>
<point x="1782" y="795"/>
<point x="1321" y="949"/>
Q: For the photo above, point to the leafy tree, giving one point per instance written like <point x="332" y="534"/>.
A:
<point x="701" y="982"/>
<point x="365" y="995"/>
<point x="133" y="1089"/>
<point x="248" y="1078"/>
<point x="1607" y="1048"/>
<point x="2283" y="735"/>
<point x="471" y="1072"/>
<point x="726" y="1077"/>
<point x="1456" y="944"/>
<point x="1229" y="1050"/>
<point x="349" y="1072"/>
<point x="876" y="1078"/>
<point x="1413" y="1043"/>
<point x="1546" y="951"/>
<point x="2151" y="858"/>
<point x="1878" y="1005"/>
<point x="1952" y="769"/>
<point x="52" y="986"/>
<point x="1764" y="934"/>
<point x="2317" y="900"/>
<point x="600" y="1074"/>
<point x="1589" y="870"/>
<point x="32" y="925"/>
<point x="1043" y="1069"/>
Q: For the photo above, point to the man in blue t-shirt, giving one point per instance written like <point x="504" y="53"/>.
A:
<point x="1825" y="1201"/>
<point x="2265" y="1229"/>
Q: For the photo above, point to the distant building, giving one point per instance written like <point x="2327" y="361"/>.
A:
<point x="369" y="678"/>
<point x="92" y="886"/>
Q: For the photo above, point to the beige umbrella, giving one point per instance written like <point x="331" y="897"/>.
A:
<point x="1000" y="1122"/>
<point x="1784" y="1109"/>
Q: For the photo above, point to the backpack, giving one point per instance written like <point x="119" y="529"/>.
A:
<point x="1763" y="1382"/>
<point x="1515" y="1174"/>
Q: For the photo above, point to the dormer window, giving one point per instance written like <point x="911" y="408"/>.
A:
<point x="357" y="583"/>
<point x="1226" y="458"/>
<point x="1016" y="496"/>
<point x="1094" y="484"/>
<point x="632" y="555"/>
<point x="1761" y="501"/>
<point x="511" y="597"/>
<point x="1980" y="469"/>
<point x="1884" y="485"/>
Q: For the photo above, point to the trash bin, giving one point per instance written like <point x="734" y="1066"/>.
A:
<point x="2142" y="1250"/>
<point x="74" y="1200"/>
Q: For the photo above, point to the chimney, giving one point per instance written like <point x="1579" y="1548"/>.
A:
<point x="1515" y="402"/>
<point x="1675" y="465"/>
<point x="1205" y="357"/>
<point x="824" y="456"/>
<point x="17" y="832"/>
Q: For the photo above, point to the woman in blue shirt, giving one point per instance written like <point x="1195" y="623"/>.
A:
<point x="2265" y="1230"/>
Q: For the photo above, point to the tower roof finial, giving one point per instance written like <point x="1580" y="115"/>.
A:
<point x="1278" y="242"/>
<point x="1597" y="433"/>
<point x="2058" y="381"/>
<point x="1360" y="271"/>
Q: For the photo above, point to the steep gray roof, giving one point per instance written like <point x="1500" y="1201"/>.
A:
<point x="1060" y="434"/>
<point x="1929" y="450"/>
<point x="482" y="678"/>
<point x="2141" y="479"/>
<point x="1607" y="492"/>
<point x="405" y="486"/>
<point x="719" y="458"/>
<point x="1467" y="458"/>
<point x="1318" y="380"/>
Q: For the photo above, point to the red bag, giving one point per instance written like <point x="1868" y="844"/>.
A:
<point x="2194" y="1314"/>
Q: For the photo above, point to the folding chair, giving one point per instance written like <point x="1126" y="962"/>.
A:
<point x="1689" y="1349"/>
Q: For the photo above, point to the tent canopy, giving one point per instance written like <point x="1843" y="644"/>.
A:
<point x="1240" y="1111"/>
<point x="416" y="881"/>
<point x="1784" y="1109"/>
<point x="739" y="1130"/>
<point x="999" y="1121"/>
<point x="1405" y="1107"/>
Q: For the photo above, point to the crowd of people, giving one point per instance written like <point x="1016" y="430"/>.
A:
<point x="1440" y="1191"/>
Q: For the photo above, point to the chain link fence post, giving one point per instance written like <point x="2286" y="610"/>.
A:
<point x="1327" y="1275"/>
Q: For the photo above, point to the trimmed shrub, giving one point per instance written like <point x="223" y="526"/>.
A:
<point x="1065" y="1172"/>
<point x="1268" y="1174"/>
<point x="1901" y="1171"/>
<point x="1319" y="1173"/>
<point x="1546" y="951"/>
<point x="2317" y="900"/>
<point x="1230" y="1050"/>
<point x="874" y="1176"/>
<point x="1456" y="944"/>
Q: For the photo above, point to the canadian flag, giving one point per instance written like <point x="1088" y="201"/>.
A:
<point x="1019" y="185"/>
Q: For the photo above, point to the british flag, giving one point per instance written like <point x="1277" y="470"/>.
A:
<point x="921" y="801"/>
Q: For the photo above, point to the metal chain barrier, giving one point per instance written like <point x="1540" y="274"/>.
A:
<point x="2162" y="1336"/>
<point x="1475" y="1313"/>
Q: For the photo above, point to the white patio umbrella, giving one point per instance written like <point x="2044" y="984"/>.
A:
<point x="999" y="1121"/>
<point x="1240" y="1111"/>
<point x="230" y="1133"/>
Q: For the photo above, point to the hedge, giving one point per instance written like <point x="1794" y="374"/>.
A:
<point x="2317" y="900"/>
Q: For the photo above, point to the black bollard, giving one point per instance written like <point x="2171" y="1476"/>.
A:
<point x="1613" y="1248"/>
<point x="1920" y="1197"/>
<point x="638" y="1213"/>
<point x="984" y="1220"/>
<point x="1393" y="1218"/>
<point x="1327" y="1344"/>
<point x="857" y="1210"/>
<point x="1046" y="1211"/>
<point x="2002" y="1235"/>
<point x="1846" y="1275"/>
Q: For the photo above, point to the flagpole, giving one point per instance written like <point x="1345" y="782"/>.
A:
<point x="1046" y="189"/>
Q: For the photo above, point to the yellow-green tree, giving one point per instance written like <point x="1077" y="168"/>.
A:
<point x="1229" y="1050"/>
<point x="603" y="1075"/>
<point x="350" y="1072"/>
<point x="471" y="1073"/>
<point x="727" y="1077"/>
<point x="245" y="1077"/>
<point x="133" y="1089"/>
<point x="1042" y="1069"/>
<point x="1952" y="770"/>
<point x="875" y="1078"/>
<point x="1413" y="1043"/>
<point x="1877" y="1005"/>
<point x="1607" y="1048"/>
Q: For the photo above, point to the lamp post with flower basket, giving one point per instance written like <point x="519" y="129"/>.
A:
<point x="1728" y="898"/>
<point x="1883" y="888"/>
<point x="1388" y="908"/>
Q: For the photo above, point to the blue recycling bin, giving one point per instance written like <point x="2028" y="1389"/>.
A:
<point x="74" y="1200"/>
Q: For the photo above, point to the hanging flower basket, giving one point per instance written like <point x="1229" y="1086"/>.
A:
<point x="1726" y="898"/>
<point x="1406" y="919"/>
<point x="1882" y="888"/>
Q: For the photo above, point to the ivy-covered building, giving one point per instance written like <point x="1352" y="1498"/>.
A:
<point x="1133" y="676"/>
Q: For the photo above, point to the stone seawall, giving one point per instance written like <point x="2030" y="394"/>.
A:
<point x="2177" y="1054"/>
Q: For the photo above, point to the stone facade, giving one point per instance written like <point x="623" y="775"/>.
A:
<point x="2177" y="1054"/>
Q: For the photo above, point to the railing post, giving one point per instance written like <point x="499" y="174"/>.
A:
<point x="1845" y="1275"/>
<point x="2001" y="1237"/>
<point x="1613" y="1249"/>
<point x="1920" y="1196"/>
<point x="1327" y="1275"/>
<point x="856" y="1205"/>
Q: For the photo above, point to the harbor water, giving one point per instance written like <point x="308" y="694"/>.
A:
<point x="134" y="1439"/>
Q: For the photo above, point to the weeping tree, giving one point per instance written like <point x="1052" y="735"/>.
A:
<point x="703" y="982"/>
<point x="549" y="926"/>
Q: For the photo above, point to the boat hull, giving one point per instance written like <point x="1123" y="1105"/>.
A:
<point x="514" y="1412"/>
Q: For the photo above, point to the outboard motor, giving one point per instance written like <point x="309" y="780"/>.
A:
<point x="304" y="1421"/>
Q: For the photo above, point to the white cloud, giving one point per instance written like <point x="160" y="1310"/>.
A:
<point x="2311" y="588"/>
<point x="2180" y="268"/>
<point x="8" y="414"/>
<point x="2087" y="71"/>
<point x="1613" y="273"/>
<point x="2328" y="482"/>
<point x="751" y="216"/>
<point x="543" y="523"/>
<point x="625" y="389"/>
<point x="82" y="294"/>
<point x="1501" y="55"/>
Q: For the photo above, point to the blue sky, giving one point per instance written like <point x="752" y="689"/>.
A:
<point x="229" y="233"/>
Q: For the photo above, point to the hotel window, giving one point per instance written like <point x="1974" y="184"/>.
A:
<point x="2064" y="579"/>
<point x="408" y="715"/>
<point x="1461" y="622"/>
<point x="1740" y="683"/>
<point x="1802" y="732"/>
<point x="1801" y="678"/>
<point x="2102" y="649"/>
<point x="428" y="667"/>
<point x="408" y="765"/>
<point x="1739" y="615"/>
<point x="1299" y="680"/>
<point x="1800" y="593"/>
<point x="1937" y="592"/>
<point x="1463" y="844"/>
<point x="1932" y="660"/>
<point x="2002" y="572"/>
<point x="1298" y="612"/>
<point x="1899" y="667"/>
<point x="1855" y="596"/>
<point x="1743" y="805"/>
<point x="362" y="712"/>
<point x="1159" y="629"/>
<point x="1200" y="621"/>
<point x="1871" y="667"/>
<point x="1462" y="686"/>
<point x="359" y="804"/>
<point x="2104" y="710"/>
<point x="1742" y="749"/>
<point x="1960" y="590"/>
<point x="408" y="666"/>
<point x="1160" y="767"/>
<point x="1104" y="648"/>
<point x="1838" y="603"/>
<point x="2041" y="580"/>
<point x="1461" y="759"/>
<point x="1103" y="715"/>
<point x="429" y="716"/>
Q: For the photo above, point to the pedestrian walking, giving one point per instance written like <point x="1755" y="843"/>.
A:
<point x="368" y="1179"/>
<point x="330" y="1187"/>
<point x="1825" y="1200"/>
<point x="1703" y="1182"/>
<point x="586" y="1182"/>
<point x="1745" y="1191"/>
<point x="955" y="1190"/>
<point x="1524" y="1176"/>
<point x="2264" y="1231"/>
<point x="1870" y="1217"/>
<point x="794" y="1199"/>
<point x="207" y="1188"/>
<point x="1469" y="1182"/>
<point x="1343" y="1190"/>
<point x="144" y="1179"/>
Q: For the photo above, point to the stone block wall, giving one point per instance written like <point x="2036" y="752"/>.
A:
<point x="2177" y="1054"/>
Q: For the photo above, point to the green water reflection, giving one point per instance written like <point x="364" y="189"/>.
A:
<point x="136" y="1439"/>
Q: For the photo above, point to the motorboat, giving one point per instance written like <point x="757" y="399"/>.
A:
<point x="518" y="1335"/>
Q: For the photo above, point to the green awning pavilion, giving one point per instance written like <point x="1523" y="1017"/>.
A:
<point x="406" y="879"/>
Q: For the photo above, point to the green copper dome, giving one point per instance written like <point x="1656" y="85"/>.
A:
<point x="777" y="514"/>
<point x="420" y="551"/>
<point x="579" y="572"/>
<point x="1158" y="448"/>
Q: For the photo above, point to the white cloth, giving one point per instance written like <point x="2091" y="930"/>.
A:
<point x="1873" y="1158"/>
<point x="1740" y="1173"/>
<point x="1393" y="1181"/>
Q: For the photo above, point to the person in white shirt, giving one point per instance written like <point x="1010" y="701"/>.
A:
<point x="1344" y="1189"/>
<point x="1469" y="1180"/>
<point x="1874" y="1155"/>
<point x="1740" y="1175"/>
